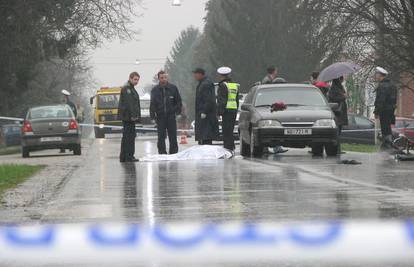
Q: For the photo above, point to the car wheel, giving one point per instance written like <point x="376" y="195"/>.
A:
<point x="317" y="150"/>
<point x="99" y="134"/>
<point x="244" y="149"/>
<point x="257" y="150"/>
<point x="331" y="150"/>
<point x="77" y="150"/>
<point x="25" y="152"/>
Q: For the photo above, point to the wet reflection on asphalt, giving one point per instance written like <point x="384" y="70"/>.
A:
<point x="291" y="187"/>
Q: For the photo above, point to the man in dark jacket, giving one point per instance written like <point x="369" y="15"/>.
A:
<point x="206" y="123"/>
<point x="129" y="111"/>
<point x="228" y="105"/>
<point x="385" y="105"/>
<point x="166" y="104"/>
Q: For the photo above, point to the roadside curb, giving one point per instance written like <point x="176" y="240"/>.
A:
<point x="41" y="187"/>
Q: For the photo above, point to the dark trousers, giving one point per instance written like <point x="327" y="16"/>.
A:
<point x="340" y="129"/>
<point x="205" y="142"/>
<point x="386" y="119"/>
<point x="229" y="121"/>
<point x="128" y="141"/>
<point x="167" y="124"/>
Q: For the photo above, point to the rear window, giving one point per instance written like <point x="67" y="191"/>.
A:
<point x="399" y="124"/>
<point x="50" y="112"/>
<point x="410" y="124"/>
<point x="290" y="96"/>
<point x="108" y="101"/>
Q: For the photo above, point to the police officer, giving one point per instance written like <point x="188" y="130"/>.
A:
<point x="228" y="105"/>
<point x="129" y="111"/>
<point x="166" y="104"/>
<point x="66" y="100"/>
<point x="66" y="95"/>
<point x="385" y="105"/>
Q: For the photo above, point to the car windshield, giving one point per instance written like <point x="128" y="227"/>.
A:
<point x="50" y="112"/>
<point x="109" y="101"/>
<point x="290" y="96"/>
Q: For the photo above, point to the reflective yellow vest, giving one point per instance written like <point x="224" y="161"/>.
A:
<point x="233" y="90"/>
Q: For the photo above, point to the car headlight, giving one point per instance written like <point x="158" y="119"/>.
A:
<point x="269" y="124"/>
<point x="328" y="123"/>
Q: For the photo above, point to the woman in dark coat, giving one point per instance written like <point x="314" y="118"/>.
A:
<point x="337" y="94"/>
<point x="206" y="123"/>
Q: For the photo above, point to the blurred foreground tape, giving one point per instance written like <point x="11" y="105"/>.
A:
<point x="211" y="243"/>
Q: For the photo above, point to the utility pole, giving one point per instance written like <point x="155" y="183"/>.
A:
<point x="380" y="35"/>
<point x="379" y="44"/>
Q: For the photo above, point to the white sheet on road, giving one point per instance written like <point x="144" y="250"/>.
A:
<point x="193" y="153"/>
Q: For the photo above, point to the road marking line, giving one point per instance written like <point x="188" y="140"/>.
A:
<point x="335" y="178"/>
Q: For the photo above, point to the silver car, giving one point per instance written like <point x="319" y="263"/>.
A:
<point x="50" y="127"/>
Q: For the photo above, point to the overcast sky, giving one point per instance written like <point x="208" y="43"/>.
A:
<point x="160" y="25"/>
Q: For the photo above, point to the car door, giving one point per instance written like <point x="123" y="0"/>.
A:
<point x="348" y="131"/>
<point x="245" y="116"/>
<point x="366" y="133"/>
<point x="409" y="128"/>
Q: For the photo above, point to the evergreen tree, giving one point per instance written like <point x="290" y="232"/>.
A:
<point x="180" y="65"/>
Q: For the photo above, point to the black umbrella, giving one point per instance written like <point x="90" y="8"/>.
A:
<point x="338" y="70"/>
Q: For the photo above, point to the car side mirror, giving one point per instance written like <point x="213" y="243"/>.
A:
<point x="246" y="107"/>
<point x="334" y="106"/>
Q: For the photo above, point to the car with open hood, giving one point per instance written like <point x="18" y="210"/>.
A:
<point x="307" y="121"/>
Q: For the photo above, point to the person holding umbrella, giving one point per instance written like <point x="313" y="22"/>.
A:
<point x="337" y="93"/>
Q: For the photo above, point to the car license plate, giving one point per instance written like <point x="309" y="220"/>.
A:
<point x="298" y="132"/>
<point x="50" y="139"/>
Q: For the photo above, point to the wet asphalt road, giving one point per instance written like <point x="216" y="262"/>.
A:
<point x="293" y="186"/>
<point x="290" y="187"/>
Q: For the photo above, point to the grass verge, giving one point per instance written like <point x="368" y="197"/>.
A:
<point x="13" y="175"/>
<point x="360" y="148"/>
<point x="9" y="150"/>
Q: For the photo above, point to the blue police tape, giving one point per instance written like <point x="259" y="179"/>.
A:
<point x="218" y="243"/>
<point x="100" y="237"/>
<point x="410" y="229"/>
<point x="15" y="238"/>
<point x="246" y="234"/>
